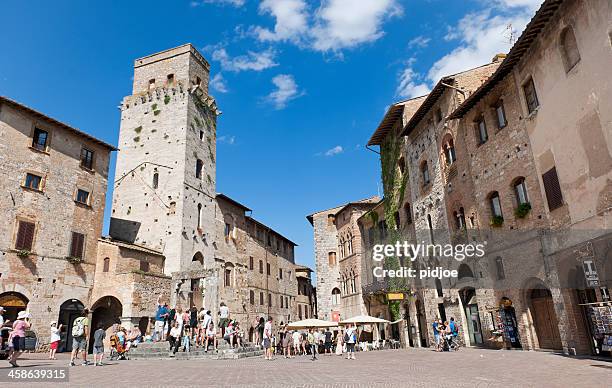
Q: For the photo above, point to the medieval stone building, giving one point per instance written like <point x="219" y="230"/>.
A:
<point x="516" y="153"/>
<point x="171" y="234"/>
<point x="337" y="242"/>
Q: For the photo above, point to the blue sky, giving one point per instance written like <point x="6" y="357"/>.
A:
<point x="302" y="84"/>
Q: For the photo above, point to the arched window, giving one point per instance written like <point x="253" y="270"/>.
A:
<point x="398" y="222"/>
<point x="464" y="271"/>
<point x="198" y="257"/>
<point x="425" y="173"/>
<point x="335" y="297"/>
<point x="199" y="215"/>
<point x="431" y="231"/>
<point x="252" y="297"/>
<point x="106" y="266"/>
<point x="520" y="191"/>
<point x="495" y="204"/>
<point x="408" y="213"/>
<point x="449" y="151"/>
<point x="460" y="219"/>
<point x="481" y="130"/>
<point x="155" y="180"/>
<point x="199" y="167"/>
<point x="227" y="281"/>
<point x="569" y="48"/>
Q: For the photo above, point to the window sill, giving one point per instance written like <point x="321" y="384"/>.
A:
<point x="533" y="113"/>
<point x="31" y="189"/>
<point x="38" y="150"/>
<point x="89" y="170"/>
<point x="82" y="204"/>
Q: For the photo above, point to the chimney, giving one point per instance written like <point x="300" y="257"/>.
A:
<point x="498" y="58"/>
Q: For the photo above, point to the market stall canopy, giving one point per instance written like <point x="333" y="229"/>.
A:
<point x="311" y="324"/>
<point x="363" y="319"/>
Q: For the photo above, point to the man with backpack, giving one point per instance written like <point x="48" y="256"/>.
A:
<point x="80" y="327"/>
<point x="454" y="327"/>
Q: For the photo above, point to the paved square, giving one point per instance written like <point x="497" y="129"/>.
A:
<point x="391" y="368"/>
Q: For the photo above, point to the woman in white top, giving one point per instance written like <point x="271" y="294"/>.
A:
<point x="211" y="336"/>
<point x="339" y="343"/>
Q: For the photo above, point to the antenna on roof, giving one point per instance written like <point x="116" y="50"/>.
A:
<point x="510" y="34"/>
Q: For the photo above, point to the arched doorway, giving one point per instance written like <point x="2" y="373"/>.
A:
<point x="470" y="306"/>
<point x="13" y="302"/>
<point x="69" y="311"/>
<point x="544" y="318"/>
<point x="420" y="314"/>
<point x="106" y="312"/>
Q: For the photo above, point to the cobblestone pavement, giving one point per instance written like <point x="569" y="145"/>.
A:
<point x="391" y="368"/>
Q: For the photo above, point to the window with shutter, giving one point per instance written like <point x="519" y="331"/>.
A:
<point x="87" y="157"/>
<point x="25" y="235"/>
<point x="550" y="179"/>
<point x="77" y="245"/>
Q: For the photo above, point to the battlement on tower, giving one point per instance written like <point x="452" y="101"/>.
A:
<point x="183" y="64"/>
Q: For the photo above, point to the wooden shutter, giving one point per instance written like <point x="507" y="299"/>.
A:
<point x="552" y="189"/>
<point x="76" y="247"/>
<point x="25" y="235"/>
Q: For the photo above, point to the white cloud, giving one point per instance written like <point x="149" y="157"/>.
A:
<point x="481" y="35"/>
<point x="235" y="3"/>
<point x="256" y="61"/>
<point x="286" y="90"/>
<point x="334" y="151"/>
<point x="291" y="20"/>
<point x="409" y="85"/>
<point x="419" y="41"/>
<point x="227" y="139"/>
<point x="347" y="23"/>
<point x="218" y="83"/>
<point x="334" y="25"/>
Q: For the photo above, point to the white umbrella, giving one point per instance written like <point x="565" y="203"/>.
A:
<point x="363" y="319"/>
<point x="311" y="324"/>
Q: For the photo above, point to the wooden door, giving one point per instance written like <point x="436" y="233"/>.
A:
<point x="545" y="321"/>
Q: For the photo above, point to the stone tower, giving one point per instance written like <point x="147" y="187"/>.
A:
<point x="165" y="176"/>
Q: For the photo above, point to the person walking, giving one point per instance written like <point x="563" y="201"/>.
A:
<point x="175" y="338"/>
<point x="339" y="343"/>
<point x="54" y="340"/>
<point x="267" y="339"/>
<point x="260" y="329"/>
<point x="312" y="341"/>
<point x="327" y="341"/>
<point x="287" y="344"/>
<point x="160" y="320"/>
<point x="436" y="334"/>
<point x="80" y="328"/>
<point x="296" y="337"/>
<point x="17" y="336"/>
<point x="98" y="347"/>
<point x="350" y="338"/>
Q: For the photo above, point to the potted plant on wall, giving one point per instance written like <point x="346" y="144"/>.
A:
<point x="23" y="253"/>
<point x="497" y="221"/>
<point x="74" y="260"/>
<point x="522" y="210"/>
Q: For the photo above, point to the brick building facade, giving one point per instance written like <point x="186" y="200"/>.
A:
<point x="517" y="153"/>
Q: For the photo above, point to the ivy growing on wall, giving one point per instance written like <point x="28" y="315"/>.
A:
<point x="394" y="187"/>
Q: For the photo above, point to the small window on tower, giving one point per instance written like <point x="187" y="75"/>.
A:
<point x="198" y="81"/>
<point x="170" y="80"/>
<point x="152" y="84"/>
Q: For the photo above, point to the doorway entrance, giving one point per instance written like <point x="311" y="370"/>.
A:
<point x="545" y="319"/>
<point x="13" y="303"/>
<point x="470" y="306"/>
<point x="69" y="311"/>
<point x="106" y="312"/>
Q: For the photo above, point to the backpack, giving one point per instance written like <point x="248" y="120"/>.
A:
<point x="78" y="328"/>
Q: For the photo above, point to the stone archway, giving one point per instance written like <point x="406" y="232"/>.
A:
<point x="544" y="318"/>
<point x="13" y="302"/>
<point x="469" y="301"/>
<point x="69" y="311"/>
<point x="106" y="312"/>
